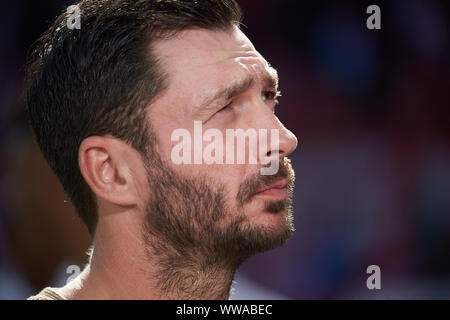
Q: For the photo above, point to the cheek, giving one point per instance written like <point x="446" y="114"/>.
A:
<point x="164" y="143"/>
<point x="230" y="176"/>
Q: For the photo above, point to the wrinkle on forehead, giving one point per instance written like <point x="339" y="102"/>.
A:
<point x="200" y="62"/>
<point x="202" y="48"/>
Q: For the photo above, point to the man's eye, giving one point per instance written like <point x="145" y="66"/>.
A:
<point x="271" y="95"/>
<point x="225" y="108"/>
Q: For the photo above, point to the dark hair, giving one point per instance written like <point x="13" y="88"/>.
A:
<point x="98" y="79"/>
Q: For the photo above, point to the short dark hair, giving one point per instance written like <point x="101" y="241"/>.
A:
<point x="98" y="79"/>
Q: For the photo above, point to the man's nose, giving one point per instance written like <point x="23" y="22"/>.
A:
<point x="282" y="142"/>
<point x="288" y="142"/>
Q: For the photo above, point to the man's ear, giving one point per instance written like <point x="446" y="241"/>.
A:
<point x="111" y="168"/>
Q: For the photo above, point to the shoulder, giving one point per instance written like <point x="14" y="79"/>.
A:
<point x="47" y="294"/>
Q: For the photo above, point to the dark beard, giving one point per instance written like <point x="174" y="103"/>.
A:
<point x="198" y="240"/>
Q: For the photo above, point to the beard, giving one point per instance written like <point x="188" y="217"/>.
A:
<point x="197" y="238"/>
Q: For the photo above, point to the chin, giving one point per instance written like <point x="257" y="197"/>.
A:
<point x="265" y="216"/>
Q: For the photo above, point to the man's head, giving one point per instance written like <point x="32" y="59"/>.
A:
<point x="99" y="79"/>
<point x="105" y="100"/>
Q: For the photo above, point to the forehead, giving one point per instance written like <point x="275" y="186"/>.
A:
<point x="200" y="61"/>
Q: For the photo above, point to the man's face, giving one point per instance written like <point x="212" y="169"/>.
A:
<point x="200" y="65"/>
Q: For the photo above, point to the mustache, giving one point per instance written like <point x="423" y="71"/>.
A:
<point x="254" y="183"/>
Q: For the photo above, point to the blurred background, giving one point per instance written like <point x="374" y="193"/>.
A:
<point x="371" y="111"/>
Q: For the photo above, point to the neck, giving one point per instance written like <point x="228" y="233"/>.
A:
<point x="127" y="266"/>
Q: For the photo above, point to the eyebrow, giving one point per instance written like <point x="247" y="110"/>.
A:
<point x="270" y="80"/>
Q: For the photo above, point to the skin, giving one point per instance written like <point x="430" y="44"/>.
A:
<point x="198" y="63"/>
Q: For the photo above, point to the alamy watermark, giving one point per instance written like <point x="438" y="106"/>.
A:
<point x="374" y="280"/>
<point x="74" y="19"/>
<point x="72" y="271"/>
<point x="374" y="20"/>
<point x="191" y="150"/>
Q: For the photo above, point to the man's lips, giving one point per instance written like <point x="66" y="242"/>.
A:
<point x="276" y="190"/>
